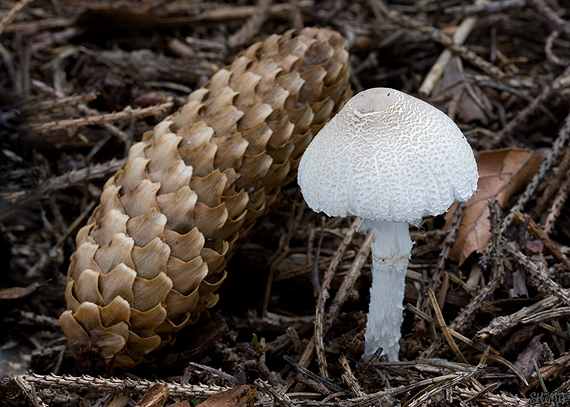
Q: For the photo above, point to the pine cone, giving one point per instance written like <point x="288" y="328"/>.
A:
<point x="153" y="252"/>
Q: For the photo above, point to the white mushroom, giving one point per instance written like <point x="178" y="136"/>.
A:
<point x="391" y="159"/>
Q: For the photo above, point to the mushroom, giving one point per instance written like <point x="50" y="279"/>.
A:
<point x="390" y="159"/>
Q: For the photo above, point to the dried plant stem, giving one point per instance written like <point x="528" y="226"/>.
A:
<point x="552" y="369"/>
<point x="230" y="13"/>
<point x="499" y="326"/>
<point x="30" y="390"/>
<point x="524" y="114"/>
<point x="536" y="232"/>
<point x="554" y="183"/>
<point x="252" y="25"/>
<point x="39" y="319"/>
<point x="493" y="399"/>
<point x="47" y="258"/>
<point x="545" y="10"/>
<point x="19" y="6"/>
<point x="62" y="103"/>
<point x="444" y="254"/>
<point x="323" y="296"/>
<point x="278" y="399"/>
<point x="443" y="327"/>
<point x="116" y="385"/>
<point x="431" y="391"/>
<point x="83" y="108"/>
<point x="557" y="205"/>
<point x="70" y="179"/>
<point x="438" y="383"/>
<point x="547" y="315"/>
<point x="487" y="8"/>
<point x="339" y="299"/>
<point x="349" y="281"/>
<point x="560" y="141"/>
<point x="296" y="16"/>
<point x="445" y="40"/>
<point x="127" y="113"/>
<point x="437" y="69"/>
<point x="456" y="335"/>
<point x="464" y="319"/>
<point x="349" y="378"/>
<point x="283" y="250"/>
<point x="539" y="273"/>
<point x="550" y="56"/>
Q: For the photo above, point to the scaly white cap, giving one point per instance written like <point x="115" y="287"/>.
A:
<point x="387" y="156"/>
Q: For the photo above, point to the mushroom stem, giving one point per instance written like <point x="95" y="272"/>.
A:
<point x="390" y="254"/>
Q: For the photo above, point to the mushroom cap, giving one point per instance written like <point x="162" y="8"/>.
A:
<point x="387" y="156"/>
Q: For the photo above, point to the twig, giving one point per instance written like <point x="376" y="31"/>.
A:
<point x="349" y="378"/>
<point x="229" y="13"/>
<point x="539" y="273"/>
<point x="279" y="399"/>
<point x="443" y="327"/>
<point x="554" y="183"/>
<point x="315" y="264"/>
<point x="282" y="251"/>
<point x="444" y="39"/>
<point x="560" y="141"/>
<point x="313" y="376"/>
<point x="499" y="326"/>
<point x="62" y="103"/>
<point x="232" y="381"/>
<point x="39" y="319"/>
<point x="431" y="391"/>
<point x="548" y="49"/>
<point x="547" y="315"/>
<point x="252" y="25"/>
<point x="349" y="280"/>
<point x="437" y="69"/>
<point x="559" y="23"/>
<point x="524" y="114"/>
<point x="504" y="87"/>
<point x="552" y="369"/>
<point x="19" y="6"/>
<point x="323" y="296"/>
<point x="557" y="204"/>
<point x="372" y="399"/>
<point x="495" y="399"/>
<point x="536" y="232"/>
<point x="464" y="319"/>
<point x="453" y="333"/>
<point x="128" y="113"/>
<point x="487" y="8"/>
<point x="47" y="258"/>
<point x="339" y="299"/>
<point x="83" y="108"/>
<point x="70" y="179"/>
<point x="444" y="254"/>
<point x="30" y="391"/>
<point x="117" y="386"/>
<point x="296" y="16"/>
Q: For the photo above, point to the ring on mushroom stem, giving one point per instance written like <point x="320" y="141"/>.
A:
<point x="391" y="159"/>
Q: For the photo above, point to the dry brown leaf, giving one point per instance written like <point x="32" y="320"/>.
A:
<point x="18" y="292"/>
<point x="240" y="396"/>
<point x="156" y="396"/>
<point x="502" y="173"/>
